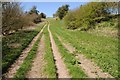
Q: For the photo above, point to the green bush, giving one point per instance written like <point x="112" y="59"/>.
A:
<point x="87" y="15"/>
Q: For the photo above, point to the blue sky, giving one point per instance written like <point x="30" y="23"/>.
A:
<point x="49" y="8"/>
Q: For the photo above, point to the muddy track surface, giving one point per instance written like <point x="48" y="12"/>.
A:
<point x="38" y="63"/>
<point x="89" y="67"/>
<point x="14" y="67"/>
<point x="61" y="68"/>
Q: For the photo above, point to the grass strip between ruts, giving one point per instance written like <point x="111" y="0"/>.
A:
<point x="48" y="57"/>
<point x="71" y="62"/>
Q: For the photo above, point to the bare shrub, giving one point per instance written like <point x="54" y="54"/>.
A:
<point x="13" y="17"/>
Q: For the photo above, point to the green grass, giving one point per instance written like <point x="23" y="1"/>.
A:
<point x="100" y="49"/>
<point x="49" y="69"/>
<point x="106" y="28"/>
<point x="71" y="62"/>
<point x="26" y="65"/>
<point x="9" y="53"/>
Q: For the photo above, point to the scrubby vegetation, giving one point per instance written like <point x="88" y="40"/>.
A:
<point x="15" y="19"/>
<point x="107" y="28"/>
<point x="86" y="16"/>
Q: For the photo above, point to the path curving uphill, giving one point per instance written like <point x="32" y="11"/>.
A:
<point x="61" y="68"/>
<point x="14" y="67"/>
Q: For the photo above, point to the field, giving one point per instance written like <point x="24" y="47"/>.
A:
<point x="60" y="40"/>
<point x="98" y="49"/>
<point x="101" y="49"/>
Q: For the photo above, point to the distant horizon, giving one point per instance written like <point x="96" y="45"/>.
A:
<point x="49" y="8"/>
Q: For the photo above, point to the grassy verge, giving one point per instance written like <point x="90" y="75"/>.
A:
<point x="102" y="50"/>
<point x="69" y="59"/>
<point x="106" y="28"/>
<point x="26" y="65"/>
<point x="14" y="44"/>
<point x="49" y="69"/>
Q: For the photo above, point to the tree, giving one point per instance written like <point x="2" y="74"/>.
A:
<point x="43" y="15"/>
<point x="34" y="10"/>
<point x="54" y="15"/>
<point x="34" y="14"/>
<point x="62" y="11"/>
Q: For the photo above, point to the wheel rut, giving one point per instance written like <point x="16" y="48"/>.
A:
<point x="62" y="71"/>
<point x="38" y="63"/>
<point x="89" y="67"/>
<point x="15" y="66"/>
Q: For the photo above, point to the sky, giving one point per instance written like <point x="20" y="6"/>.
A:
<point x="49" y="8"/>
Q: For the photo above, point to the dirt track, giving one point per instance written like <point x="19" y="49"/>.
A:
<point x="89" y="67"/>
<point x="14" y="67"/>
<point x="38" y="63"/>
<point x="61" y="68"/>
